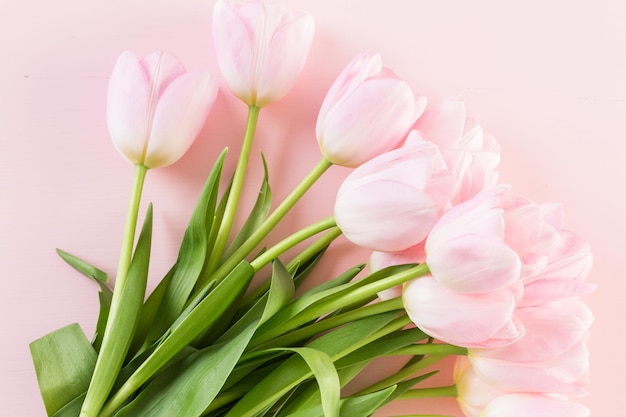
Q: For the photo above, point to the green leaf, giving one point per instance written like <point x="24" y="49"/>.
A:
<point x="257" y="215"/>
<point x="318" y="364"/>
<point x="148" y="314"/>
<point x="122" y="322"/>
<point x="206" y="314"/>
<point x="71" y="409"/>
<point x="83" y="267"/>
<point x="281" y="290"/>
<point x="105" y="295"/>
<point x="358" y="406"/>
<point x="64" y="361"/>
<point x="187" y="389"/>
<point x="284" y="321"/>
<point x="191" y="256"/>
<point x="294" y="370"/>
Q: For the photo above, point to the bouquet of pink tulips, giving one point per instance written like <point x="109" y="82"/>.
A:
<point x="460" y="265"/>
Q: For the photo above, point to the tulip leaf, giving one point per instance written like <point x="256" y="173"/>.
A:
<point x="281" y="290"/>
<point x="148" y="314"/>
<point x="357" y="406"/>
<point x="257" y="215"/>
<point x="191" y="256"/>
<point x="294" y="370"/>
<point x="122" y="322"/>
<point x="205" y="315"/>
<point x="64" y="361"/>
<point x="71" y="409"/>
<point x="187" y="389"/>
<point x="105" y="294"/>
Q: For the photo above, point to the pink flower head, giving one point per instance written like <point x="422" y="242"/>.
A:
<point x="155" y="108"/>
<point x="391" y="202"/>
<point x="469" y="153"/>
<point x="367" y="111"/>
<point x="261" y="49"/>
<point x="551" y="357"/>
<point x="463" y="319"/>
<point x="467" y="249"/>
<point x="473" y="393"/>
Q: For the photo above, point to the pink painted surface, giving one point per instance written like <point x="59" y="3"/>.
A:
<point x="548" y="79"/>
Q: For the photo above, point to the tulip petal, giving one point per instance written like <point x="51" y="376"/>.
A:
<point x="128" y="114"/>
<point x="474" y="263"/>
<point x="468" y="320"/>
<point x="179" y="117"/>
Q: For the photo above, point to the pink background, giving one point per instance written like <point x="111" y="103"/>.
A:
<point x="548" y="79"/>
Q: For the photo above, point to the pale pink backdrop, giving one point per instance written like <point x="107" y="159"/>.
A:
<point x="548" y="79"/>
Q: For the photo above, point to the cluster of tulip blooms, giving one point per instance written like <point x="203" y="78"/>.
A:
<point x="460" y="265"/>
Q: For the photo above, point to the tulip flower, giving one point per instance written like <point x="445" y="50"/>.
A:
<point x="391" y="202"/>
<point x="261" y="49"/>
<point x="468" y="320"/>
<point x="367" y="111"/>
<point x="155" y="108"/>
<point x="469" y="153"/>
<point x="551" y="357"/>
<point x="467" y="249"/>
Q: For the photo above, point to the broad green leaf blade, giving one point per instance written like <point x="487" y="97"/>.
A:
<point x="257" y="215"/>
<point x="148" y="314"/>
<point x="206" y="314"/>
<point x="357" y="406"/>
<point x="64" y="361"/>
<point x="187" y="389"/>
<point x="281" y="290"/>
<point x="191" y="256"/>
<point x="294" y="370"/>
<point x="105" y="295"/>
<point x="122" y="322"/>
<point x="71" y="409"/>
<point x="316" y="363"/>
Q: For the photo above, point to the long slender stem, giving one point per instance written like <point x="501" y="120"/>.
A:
<point x="434" y="392"/>
<point x="289" y="242"/>
<point x="269" y="223"/>
<point x="103" y="379"/>
<point x="402" y="374"/>
<point x="130" y="227"/>
<point x="235" y="192"/>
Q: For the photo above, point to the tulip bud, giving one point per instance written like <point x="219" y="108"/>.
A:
<point x="367" y="111"/>
<point x="261" y="49"/>
<point x="155" y="108"/>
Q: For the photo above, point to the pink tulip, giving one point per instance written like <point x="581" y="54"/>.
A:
<point x="155" y="108"/>
<point x="467" y="251"/>
<point x="469" y="153"/>
<point x="367" y="111"/>
<point x="551" y="357"/>
<point x="468" y="320"/>
<point x="261" y="49"/>
<point x="526" y="405"/>
<point x="391" y="202"/>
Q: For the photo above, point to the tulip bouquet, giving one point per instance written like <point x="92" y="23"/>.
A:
<point x="460" y="266"/>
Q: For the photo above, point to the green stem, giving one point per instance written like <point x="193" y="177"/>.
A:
<point x="235" y="192"/>
<point x="331" y="322"/>
<point x="103" y="378"/>
<point x="269" y="223"/>
<point x="130" y="227"/>
<point x="402" y="374"/>
<point x="289" y="242"/>
<point x="305" y="255"/>
<point x="430" y="349"/>
<point x="435" y="392"/>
